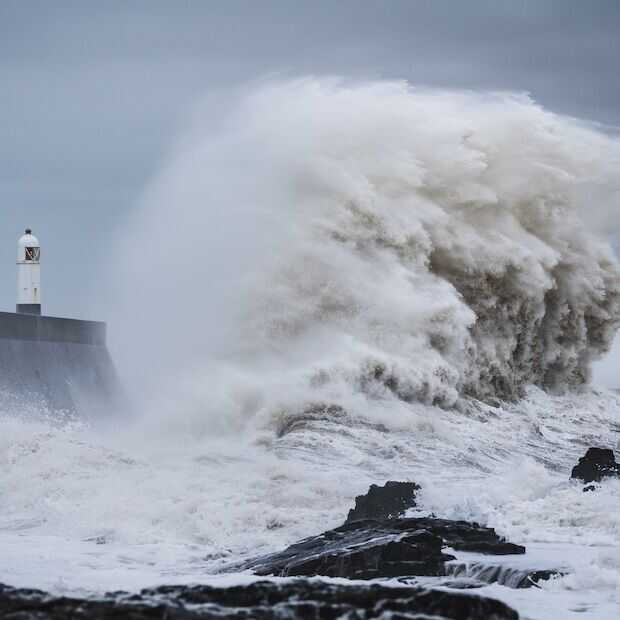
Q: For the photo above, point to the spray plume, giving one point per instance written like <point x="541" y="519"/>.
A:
<point x="318" y="241"/>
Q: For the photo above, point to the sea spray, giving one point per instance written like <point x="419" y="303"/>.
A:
<point x="328" y="240"/>
<point x="314" y="265"/>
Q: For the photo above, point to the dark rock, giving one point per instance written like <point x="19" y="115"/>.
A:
<point x="598" y="463"/>
<point x="382" y="548"/>
<point x="391" y="500"/>
<point x="263" y="600"/>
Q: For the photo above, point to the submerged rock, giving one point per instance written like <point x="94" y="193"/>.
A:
<point x="512" y="577"/>
<point x="372" y="548"/>
<point x="390" y="500"/>
<point x="262" y="600"/>
<point x="598" y="463"/>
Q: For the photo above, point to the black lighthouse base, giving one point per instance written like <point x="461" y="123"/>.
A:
<point x="29" y="309"/>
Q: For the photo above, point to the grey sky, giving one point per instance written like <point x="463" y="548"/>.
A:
<point x="91" y="93"/>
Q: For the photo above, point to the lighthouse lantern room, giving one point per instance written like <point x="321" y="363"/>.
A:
<point x="28" y="274"/>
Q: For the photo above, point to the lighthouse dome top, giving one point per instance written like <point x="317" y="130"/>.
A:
<point x="28" y="247"/>
<point x="28" y="239"/>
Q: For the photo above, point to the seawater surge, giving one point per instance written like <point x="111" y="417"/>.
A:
<point x="341" y="240"/>
<point x="333" y="284"/>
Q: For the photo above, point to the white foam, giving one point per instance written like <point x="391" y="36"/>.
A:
<point x="84" y="510"/>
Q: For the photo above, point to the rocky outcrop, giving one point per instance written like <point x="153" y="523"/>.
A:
<point x="262" y="600"/>
<point x="363" y="548"/>
<point x="390" y="500"/>
<point x="598" y="463"/>
<point x="372" y="548"/>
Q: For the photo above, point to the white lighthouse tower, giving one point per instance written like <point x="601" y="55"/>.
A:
<point x="28" y="274"/>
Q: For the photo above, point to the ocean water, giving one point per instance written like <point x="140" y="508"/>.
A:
<point x="340" y="284"/>
<point x="87" y="510"/>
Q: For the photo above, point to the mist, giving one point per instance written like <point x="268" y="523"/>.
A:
<point x="320" y="239"/>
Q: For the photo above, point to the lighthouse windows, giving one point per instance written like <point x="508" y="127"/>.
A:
<point x="33" y="254"/>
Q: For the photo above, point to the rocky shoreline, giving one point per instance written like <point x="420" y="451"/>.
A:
<point x="373" y="548"/>
<point x="300" y="598"/>
<point x="376" y="542"/>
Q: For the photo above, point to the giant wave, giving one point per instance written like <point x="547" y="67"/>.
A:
<point x="317" y="265"/>
<point x="334" y="239"/>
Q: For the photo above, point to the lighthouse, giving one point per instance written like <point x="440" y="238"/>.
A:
<point x="28" y="274"/>
<point x="50" y="363"/>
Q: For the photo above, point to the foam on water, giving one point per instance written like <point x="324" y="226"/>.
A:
<point x="91" y="511"/>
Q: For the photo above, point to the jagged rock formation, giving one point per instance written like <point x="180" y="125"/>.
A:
<point x="372" y="548"/>
<point x="362" y="548"/>
<point x="299" y="599"/>
<point x="404" y="548"/>
<point x="390" y="500"/>
<point x="598" y="463"/>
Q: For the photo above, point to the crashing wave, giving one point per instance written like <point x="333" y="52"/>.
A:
<point x="384" y="240"/>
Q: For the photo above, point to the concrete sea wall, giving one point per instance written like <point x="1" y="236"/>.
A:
<point x="56" y="365"/>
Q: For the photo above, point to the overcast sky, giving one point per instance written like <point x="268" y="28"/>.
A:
<point x="92" y="93"/>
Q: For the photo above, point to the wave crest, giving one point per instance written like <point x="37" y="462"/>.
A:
<point x="394" y="242"/>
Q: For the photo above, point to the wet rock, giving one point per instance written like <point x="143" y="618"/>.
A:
<point x="598" y="463"/>
<point x="262" y="600"/>
<point x="372" y="548"/>
<point x="390" y="500"/>
<point x="374" y="542"/>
